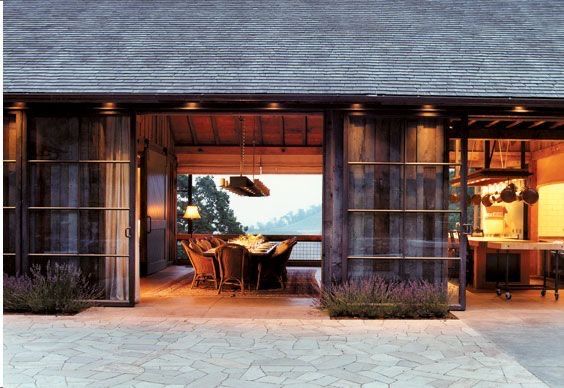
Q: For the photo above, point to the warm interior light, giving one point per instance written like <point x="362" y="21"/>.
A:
<point x="18" y="105"/>
<point x="273" y="105"/>
<point x="109" y="105"/>
<point x="427" y="107"/>
<point x="357" y="106"/>
<point x="192" y="213"/>
<point x="191" y="105"/>
<point x="520" y="109"/>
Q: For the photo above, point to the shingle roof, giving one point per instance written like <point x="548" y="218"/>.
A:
<point x="473" y="48"/>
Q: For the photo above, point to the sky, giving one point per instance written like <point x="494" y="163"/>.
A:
<point x="287" y="193"/>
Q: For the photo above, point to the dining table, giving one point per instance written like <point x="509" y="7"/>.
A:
<point x="261" y="250"/>
<point x="257" y="254"/>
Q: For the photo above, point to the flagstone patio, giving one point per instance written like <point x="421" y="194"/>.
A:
<point x="107" y="347"/>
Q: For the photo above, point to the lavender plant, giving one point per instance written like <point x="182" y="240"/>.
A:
<point x="62" y="289"/>
<point x="375" y="297"/>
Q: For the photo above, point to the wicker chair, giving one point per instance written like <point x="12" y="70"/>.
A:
<point x="217" y="242"/>
<point x="275" y="266"/>
<point x="204" y="244"/>
<point x="204" y="269"/>
<point x="233" y="261"/>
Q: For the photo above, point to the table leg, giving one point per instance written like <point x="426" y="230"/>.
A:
<point x="557" y="275"/>
<point x="497" y="274"/>
<point x="544" y="271"/>
<point x="507" y="293"/>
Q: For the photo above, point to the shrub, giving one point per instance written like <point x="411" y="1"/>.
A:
<point x="374" y="297"/>
<point x="61" y="290"/>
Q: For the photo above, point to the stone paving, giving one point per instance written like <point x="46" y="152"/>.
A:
<point x="109" y="350"/>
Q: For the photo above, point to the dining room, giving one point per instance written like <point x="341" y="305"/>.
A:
<point x="248" y="206"/>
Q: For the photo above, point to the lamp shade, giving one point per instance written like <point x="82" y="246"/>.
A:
<point x="192" y="213"/>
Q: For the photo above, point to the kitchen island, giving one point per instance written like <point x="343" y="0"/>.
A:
<point x="505" y="259"/>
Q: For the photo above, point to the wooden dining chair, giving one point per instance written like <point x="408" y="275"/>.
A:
<point x="204" y="269"/>
<point x="233" y="259"/>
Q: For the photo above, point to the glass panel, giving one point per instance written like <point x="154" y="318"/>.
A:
<point x="9" y="231"/>
<point x="10" y="137"/>
<point x="53" y="231"/>
<point x="10" y="184"/>
<point x="424" y="141"/>
<point x="109" y="274"/>
<point x="374" y="140"/>
<point x="426" y="188"/>
<point x="374" y="234"/>
<point x="426" y="234"/>
<point x="10" y="264"/>
<point x="375" y="187"/>
<point x="54" y="138"/>
<point x="105" y="138"/>
<point x="103" y="231"/>
<point x="54" y="184"/>
<point x="104" y="185"/>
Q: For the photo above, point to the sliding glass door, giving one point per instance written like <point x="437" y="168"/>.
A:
<point x="78" y="198"/>
<point x="400" y="209"/>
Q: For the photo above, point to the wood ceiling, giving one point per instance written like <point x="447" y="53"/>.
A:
<point x="210" y="143"/>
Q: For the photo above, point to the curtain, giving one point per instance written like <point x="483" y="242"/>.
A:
<point x="116" y="143"/>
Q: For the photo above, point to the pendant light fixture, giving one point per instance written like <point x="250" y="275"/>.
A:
<point x="243" y="185"/>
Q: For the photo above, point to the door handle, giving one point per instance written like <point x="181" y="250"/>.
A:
<point x="128" y="232"/>
<point x="150" y="224"/>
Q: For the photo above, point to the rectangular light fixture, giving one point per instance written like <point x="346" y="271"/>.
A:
<point x="488" y="176"/>
<point x="242" y="185"/>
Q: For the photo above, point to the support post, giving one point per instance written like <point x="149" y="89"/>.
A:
<point x="463" y="239"/>
<point x="190" y="222"/>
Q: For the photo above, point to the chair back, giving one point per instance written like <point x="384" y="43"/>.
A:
<point x="232" y="261"/>
<point x="283" y="251"/>
<point x="200" y="263"/>
<point x="204" y="244"/>
<point x="216" y="242"/>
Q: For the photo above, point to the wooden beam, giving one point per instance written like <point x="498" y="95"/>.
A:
<point x="548" y="151"/>
<point x="536" y="124"/>
<point x="191" y="130"/>
<point x="261" y="137"/>
<point x="260" y="150"/>
<point x="518" y="134"/>
<point x="557" y="125"/>
<point x="214" y="129"/>
<point x="305" y="130"/>
<point x="471" y="122"/>
<point x="493" y="123"/>
<point x="514" y="124"/>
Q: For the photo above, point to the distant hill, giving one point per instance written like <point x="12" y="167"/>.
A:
<point x="303" y="221"/>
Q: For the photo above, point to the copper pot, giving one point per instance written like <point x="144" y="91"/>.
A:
<point x="487" y="200"/>
<point x="530" y="196"/>
<point x="476" y="199"/>
<point x="509" y="194"/>
<point x="495" y="197"/>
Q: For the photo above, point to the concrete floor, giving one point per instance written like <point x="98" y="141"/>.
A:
<point x="528" y="327"/>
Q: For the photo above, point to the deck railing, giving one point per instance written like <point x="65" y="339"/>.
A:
<point x="307" y="253"/>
